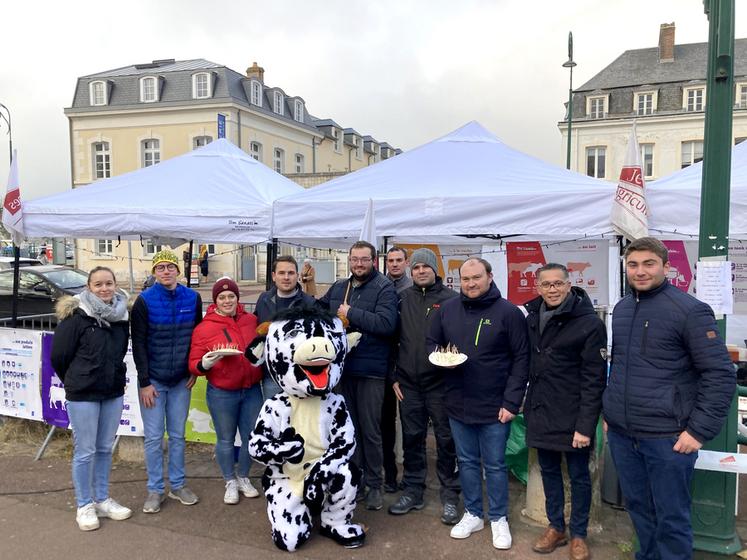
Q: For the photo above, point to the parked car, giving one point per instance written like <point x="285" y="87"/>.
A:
<point x="7" y="262"/>
<point x="39" y="288"/>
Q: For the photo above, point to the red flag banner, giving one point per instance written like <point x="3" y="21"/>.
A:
<point x="12" y="207"/>
<point x="629" y="210"/>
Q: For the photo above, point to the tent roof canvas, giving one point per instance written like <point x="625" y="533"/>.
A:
<point x="217" y="193"/>
<point x="674" y="200"/>
<point x="465" y="183"/>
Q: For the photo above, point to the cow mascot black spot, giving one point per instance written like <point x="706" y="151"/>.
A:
<point x="304" y="434"/>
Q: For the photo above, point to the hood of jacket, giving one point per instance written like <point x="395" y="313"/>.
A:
<point x="66" y="306"/>
<point x="485" y="300"/>
<point x="212" y="315"/>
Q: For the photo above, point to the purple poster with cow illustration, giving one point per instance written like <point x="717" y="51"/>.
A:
<point x="52" y="392"/>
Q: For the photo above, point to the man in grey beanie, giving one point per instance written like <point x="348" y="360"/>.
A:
<point x="419" y="387"/>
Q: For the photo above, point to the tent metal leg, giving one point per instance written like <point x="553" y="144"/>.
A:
<point x="44" y="445"/>
<point x="129" y="260"/>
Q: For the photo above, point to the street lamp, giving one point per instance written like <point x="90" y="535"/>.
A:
<point x="5" y="115"/>
<point x="569" y="64"/>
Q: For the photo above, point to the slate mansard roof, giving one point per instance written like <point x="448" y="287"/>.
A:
<point x="642" y="67"/>
<point x="175" y="84"/>
<point x="175" y="90"/>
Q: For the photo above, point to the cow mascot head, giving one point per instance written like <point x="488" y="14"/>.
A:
<point x="304" y="434"/>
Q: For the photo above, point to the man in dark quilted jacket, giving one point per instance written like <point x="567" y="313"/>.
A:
<point x="669" y="391"/>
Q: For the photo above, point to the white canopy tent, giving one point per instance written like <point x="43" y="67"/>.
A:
<point x="465" y="183"/>
<point x="674" y="200"/>
<point x="216" y="194"/>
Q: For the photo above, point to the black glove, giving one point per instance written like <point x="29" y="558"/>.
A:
<point x="292" y="446"/>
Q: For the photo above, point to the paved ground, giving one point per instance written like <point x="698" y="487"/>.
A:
<point x="37" y="516"/>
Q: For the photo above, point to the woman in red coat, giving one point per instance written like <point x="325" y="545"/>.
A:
<point x="234" y="396"/>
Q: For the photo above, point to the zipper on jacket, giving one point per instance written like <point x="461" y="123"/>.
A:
<point x="427" y="309"/>
<point x="645" y="337"/>
<point x="627" y="363"/>
<point x="477" y="334"/>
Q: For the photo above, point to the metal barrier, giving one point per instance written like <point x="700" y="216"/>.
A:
<point x="44" y="322"/>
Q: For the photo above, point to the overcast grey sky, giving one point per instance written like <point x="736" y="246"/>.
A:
<point x="404" y="71"/>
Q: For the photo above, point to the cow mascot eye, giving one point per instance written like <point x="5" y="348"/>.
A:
<point x="304" y="434"/>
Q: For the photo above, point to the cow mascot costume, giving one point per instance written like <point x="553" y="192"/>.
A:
<point x="304" y="434"/>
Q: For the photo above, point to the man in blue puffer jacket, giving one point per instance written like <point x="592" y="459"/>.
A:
<point x="163" y="318"/>
<point x="368" y="301"/>
<point x="669" y="391"/>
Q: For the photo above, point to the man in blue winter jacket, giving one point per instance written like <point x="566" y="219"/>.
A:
<point x="368" y="301"/>
<point x="484" y="393"/>
<point x="669" y="391"/>
<point x="162" y="320"/>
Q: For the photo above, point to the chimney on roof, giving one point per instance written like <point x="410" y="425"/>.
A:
<point x="257" y="72"/>
<point x="666" y="42"/>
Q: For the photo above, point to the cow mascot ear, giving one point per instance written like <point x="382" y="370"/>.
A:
<point x="255" y="352"/>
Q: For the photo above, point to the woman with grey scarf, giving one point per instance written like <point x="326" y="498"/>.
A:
<point x="88" y="350"/>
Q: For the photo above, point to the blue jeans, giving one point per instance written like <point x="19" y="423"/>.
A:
<point x="552" y="482"/>
<point x="170" y="411"/>
<point x="655" y="481"/>
<point x="270" y="388"/>
<point x="94" y="425"/>
<point x="232" y="410"/>
<point x="486" y="444"/>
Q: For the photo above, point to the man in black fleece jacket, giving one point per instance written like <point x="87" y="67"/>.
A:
<point x="484" y="393"/>
<point x="419" y="387"/>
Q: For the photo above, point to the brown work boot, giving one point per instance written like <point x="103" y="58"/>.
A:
<point x="579" y="550"/>
<point x="549" y="541"/>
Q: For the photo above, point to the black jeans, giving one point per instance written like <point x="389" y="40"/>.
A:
<point x="364" y="397"/>
<point x="389" y="434"/>
<point x="552" y="481"/>
<point x="415" y="410"/>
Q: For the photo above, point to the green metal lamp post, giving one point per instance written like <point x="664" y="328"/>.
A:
<point x="714" y="493"/>
<point x="570" y="65"/>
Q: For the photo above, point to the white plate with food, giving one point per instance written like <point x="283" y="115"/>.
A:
<point x="226" y="352"/>
<point x="448" y="357"/>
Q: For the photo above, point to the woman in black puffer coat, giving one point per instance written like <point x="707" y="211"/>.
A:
<point x="88" y="350"/>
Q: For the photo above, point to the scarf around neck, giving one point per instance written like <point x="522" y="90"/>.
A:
<point x="104" y="313"/>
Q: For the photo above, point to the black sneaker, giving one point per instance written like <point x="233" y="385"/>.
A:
<point x="406" y="504"/>
<point x="374" y="501"/>
<point x="450" y="514"/>
<point x="354" y="541"/>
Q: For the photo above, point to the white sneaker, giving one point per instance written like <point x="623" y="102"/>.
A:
<point x="232" y="492"/>
<point x="246" y="488"/>
<point x="86" y="518"/>
<point x="111" y="509"/>
<point x="466" y="526"/>
<point x="501" y="534"/>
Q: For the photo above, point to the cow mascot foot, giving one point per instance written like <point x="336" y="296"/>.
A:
<point x="304" y="434"/>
